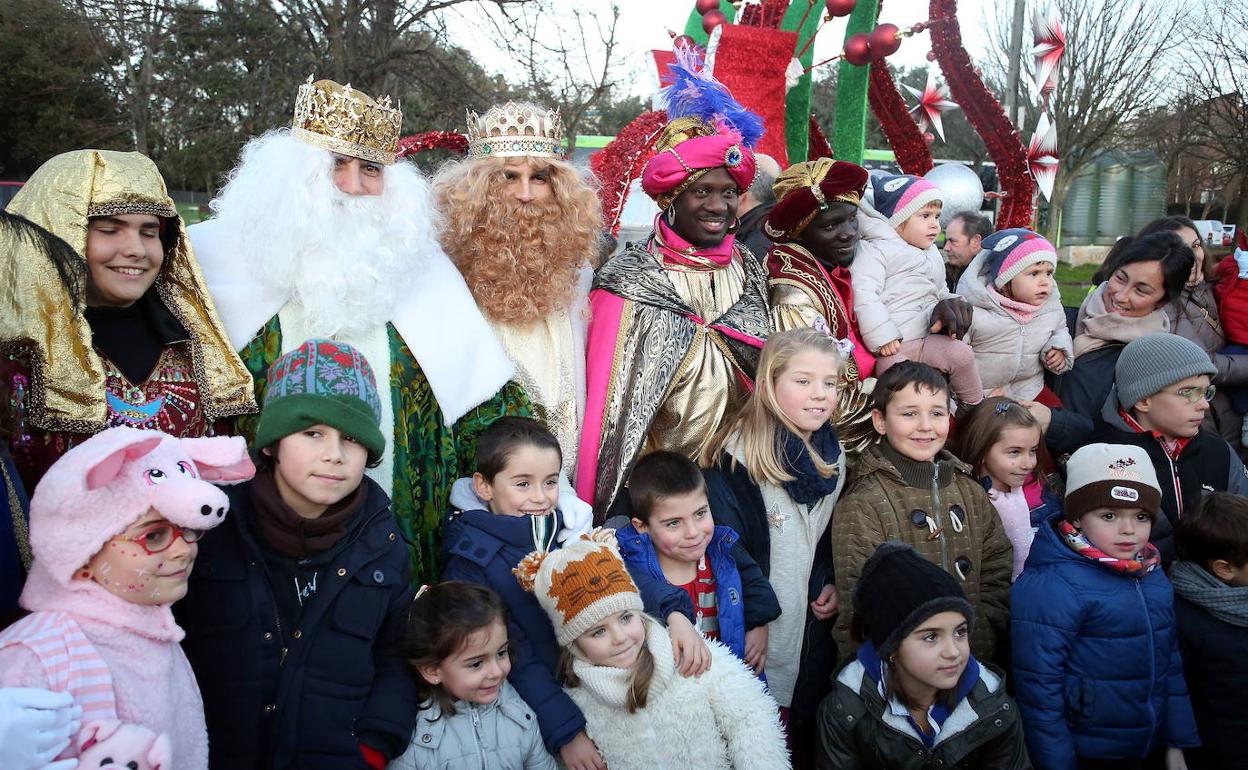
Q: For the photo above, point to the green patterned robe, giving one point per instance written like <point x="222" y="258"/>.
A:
<point x="428" y="456"/>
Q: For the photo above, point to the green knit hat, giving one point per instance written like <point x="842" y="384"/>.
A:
<point x="322" y="382"/>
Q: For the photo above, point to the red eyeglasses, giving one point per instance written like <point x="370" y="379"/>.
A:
<point x="158" y="537"/>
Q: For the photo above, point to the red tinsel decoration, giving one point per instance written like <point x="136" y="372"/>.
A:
<point x="818" y="146"/>
<point x="913" y="154"/>
<point x="433" y="140"/>
<point x="768" y="13"/>
<point x="985" y="115"/>
<point x="620" y="162"/>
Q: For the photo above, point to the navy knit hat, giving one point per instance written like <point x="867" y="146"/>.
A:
<point x="898" y="198"/>
<point x="898" y="590"/>
<point x="1012" y="251"/>
<point x="1156" y="361"/>
<point x="327" y="383"/>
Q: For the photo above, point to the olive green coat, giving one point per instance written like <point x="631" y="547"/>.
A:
<point x="880" y="505"/>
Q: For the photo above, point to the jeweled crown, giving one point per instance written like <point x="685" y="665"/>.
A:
<point x="344" y="120"/>
<point x="513" y="130"/>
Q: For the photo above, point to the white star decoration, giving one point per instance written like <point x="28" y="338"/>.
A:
<point x="933" y="102"/>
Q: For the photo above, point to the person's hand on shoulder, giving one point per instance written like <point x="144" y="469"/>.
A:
<point x="689" y="650"/>
<point x="36" y="725"/>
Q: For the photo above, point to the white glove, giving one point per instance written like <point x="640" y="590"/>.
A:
<point x="1241" y="261"/>
<point x="578" y="515"/>
<point x="35" y="726"/>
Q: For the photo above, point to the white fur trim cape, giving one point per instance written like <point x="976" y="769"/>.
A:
<point x="439" y="320"/>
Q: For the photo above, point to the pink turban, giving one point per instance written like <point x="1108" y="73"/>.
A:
<point x="679" y="164"/>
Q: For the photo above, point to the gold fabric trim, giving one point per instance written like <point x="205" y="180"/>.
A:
<point x="67" y="391"/>
<point x="122" y="208"/>
<point x="21" y="532"/>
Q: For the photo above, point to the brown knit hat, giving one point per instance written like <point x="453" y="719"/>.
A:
<point x="580" y="584"/>
<point x="1110" y="476"/>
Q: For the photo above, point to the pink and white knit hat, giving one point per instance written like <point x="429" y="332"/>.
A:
<point x="897" y="198"/>
<point x="1012" y="251"/>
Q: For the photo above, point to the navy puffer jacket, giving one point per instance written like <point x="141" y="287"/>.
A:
<point x="1096" y="659"/>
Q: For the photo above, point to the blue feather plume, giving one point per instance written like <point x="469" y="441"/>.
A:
<point x="694" y="93"/>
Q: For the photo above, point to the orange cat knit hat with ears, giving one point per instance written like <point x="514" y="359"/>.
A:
<point x="580" y="584"/>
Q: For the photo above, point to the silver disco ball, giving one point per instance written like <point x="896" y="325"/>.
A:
<point x="960" y="188"/>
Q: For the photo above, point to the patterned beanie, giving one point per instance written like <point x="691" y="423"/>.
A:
<point x="580" y="584"/>
<point x="898" y="590"/>
<point x="322" y="382"/>
<point x="1154" y="362"/>
<point x="1012" y="251"/>
<point x="897" y="198"/>
<point x="1110" y="476"/>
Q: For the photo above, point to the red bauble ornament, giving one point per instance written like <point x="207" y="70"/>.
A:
<point x="884" y="41"/>
<point x="683" y="42"/>
<point x="840" y="7"/>
<point x="858" y="49"/>
<point x="712" y="19"/>
<point x="706" y="6"/>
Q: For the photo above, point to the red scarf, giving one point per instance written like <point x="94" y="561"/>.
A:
<point x="677" y="252"/>
<point x="1144" y="562"/>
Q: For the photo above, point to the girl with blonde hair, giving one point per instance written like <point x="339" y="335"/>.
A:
<point x="773" y="475"/>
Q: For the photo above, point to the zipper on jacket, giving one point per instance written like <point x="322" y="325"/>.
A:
<point x="937" y="508"/>
<point x="476" y="732"/>
<point x="1152" y="652"/>
<point x="1174" y="476"/>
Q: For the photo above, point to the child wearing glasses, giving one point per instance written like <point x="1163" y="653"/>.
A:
<point x="1161" y="394"/>
<point x="114" y="527"/>
<point x="295" y="618"/>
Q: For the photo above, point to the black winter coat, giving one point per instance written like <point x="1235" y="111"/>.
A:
<point x="279" y="698"/>
<point x="857" y="731"/>
<point x="1206" y="464"/>
<point x="1215" y="663"/>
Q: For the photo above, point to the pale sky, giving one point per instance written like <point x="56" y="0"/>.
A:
<point x="644" y="23"/>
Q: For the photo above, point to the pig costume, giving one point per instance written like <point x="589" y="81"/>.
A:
<point x="88" y="497"/>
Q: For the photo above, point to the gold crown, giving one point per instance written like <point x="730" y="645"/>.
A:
<point x="513" y="130"/>
<point x="343" y="120"/>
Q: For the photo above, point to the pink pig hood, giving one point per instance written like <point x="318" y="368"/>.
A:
<point x="107" y="482"/>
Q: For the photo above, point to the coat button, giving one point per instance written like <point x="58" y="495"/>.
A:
<point x="996" y="722"/>
<point x="342" y="572"/>
<point x="298" y="634"/>
<point x="379" y="576"/>
<point x="269" y="709"/>
<point x="391" y="536"/>
<point x="1005" y="707"/>
<point x="426" y="738"/>
<point x="918" y="518"/>
<point x="268" y="636"/>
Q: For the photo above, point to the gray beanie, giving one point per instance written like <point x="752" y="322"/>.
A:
<point x="1156" y="361"/>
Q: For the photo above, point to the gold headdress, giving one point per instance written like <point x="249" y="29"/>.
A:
<point x="343" y="120"/>
<point x="37" y="316"/>
<point x="514" y="130"/>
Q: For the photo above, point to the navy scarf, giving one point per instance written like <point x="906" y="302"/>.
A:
<point x="808" y="487"/>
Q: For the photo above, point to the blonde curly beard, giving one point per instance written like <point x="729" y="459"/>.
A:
<point x="520" y="260"/>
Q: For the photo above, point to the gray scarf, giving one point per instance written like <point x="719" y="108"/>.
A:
<point x="1197" y="585"/>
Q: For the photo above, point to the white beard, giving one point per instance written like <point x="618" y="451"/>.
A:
<point x="345" y="262"/>
<point x="343" y="272"/>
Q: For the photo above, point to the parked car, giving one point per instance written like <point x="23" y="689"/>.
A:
<point x="1210" y="231"/>
<point x="1228" y="235"/>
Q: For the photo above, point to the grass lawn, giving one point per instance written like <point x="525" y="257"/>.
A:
<point x="1074" y="283"/>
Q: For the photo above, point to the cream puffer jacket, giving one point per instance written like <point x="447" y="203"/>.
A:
<point x="896" y="286"/>
<point x="1010" y="353"/>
